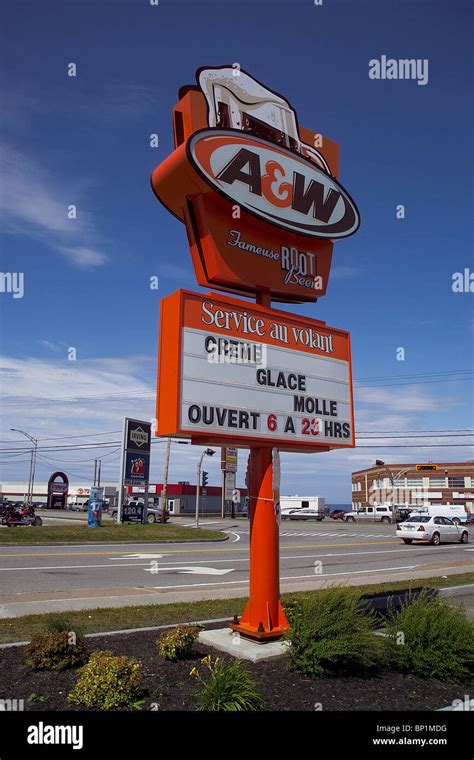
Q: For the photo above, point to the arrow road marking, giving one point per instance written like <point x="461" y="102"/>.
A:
<point x="190" y="570"/>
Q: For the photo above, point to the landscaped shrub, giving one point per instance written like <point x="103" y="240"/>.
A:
<point x="55" y="650"/>
<point x="432" y="638"/>
<point x="58" y="623"/>
<point x="228" y="687"/>
<point x="177" y="644"/>
<point x="108" y="682"/>
<point x="330" y="633"/>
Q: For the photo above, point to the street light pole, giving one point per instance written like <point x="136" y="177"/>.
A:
<point x="393" y="480"/>
<point x="209" y="453"/>
<point x="31" y="477"/>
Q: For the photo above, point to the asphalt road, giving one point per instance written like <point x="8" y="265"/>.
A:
<point x="43" y="578"/>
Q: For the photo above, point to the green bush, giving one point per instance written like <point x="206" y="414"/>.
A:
<point x="229" y="687"/>
<point x="55" y="650"/>
<point x="58" y="624"/>
<point x="331" y="634"/>
<point x="107" y="682"/>
<point x="431" y="638"/>
<point x="177" y="644"/>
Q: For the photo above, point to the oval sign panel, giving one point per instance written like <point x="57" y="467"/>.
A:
<point x="273" y="183"/>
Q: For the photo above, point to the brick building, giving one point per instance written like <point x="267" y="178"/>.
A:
<point x="415" y="485"/>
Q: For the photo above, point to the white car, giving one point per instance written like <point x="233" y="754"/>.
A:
<point x="434" y="530"/>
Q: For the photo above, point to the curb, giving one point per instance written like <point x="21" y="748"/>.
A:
<point x="121" y="543"/>
<point x="464" y="705"/>
<point x="129" y="630"/>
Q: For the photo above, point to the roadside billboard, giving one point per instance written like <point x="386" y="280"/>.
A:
<point x="58" y="490"/>
<point x="137" y="469"/>
<point x="229" y="459"/>
<point x="135" y="462"/>
<point x="287" y="384"/>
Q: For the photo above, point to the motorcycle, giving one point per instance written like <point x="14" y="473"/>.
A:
<point x="12" y="517"/>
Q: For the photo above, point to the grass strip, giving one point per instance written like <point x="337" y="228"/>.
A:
<point x="80" y="534"/>
<point x="141" y="616"/>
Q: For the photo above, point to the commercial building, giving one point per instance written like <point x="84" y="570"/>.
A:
<point x="415" y="485"/>
<point x="181" y="498"/>
<point x="78" y="491"/>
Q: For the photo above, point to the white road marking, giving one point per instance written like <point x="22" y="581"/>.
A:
<point x="232" y="533"/>
<point x="191" y="570"/>
<point x="336" y="535"/>
<point x="349" y="572"/>
<point x="287" y="578"/>
<point x="403" y="548"/>
<point x="74" y="567"/>
<point x="139" y="556"/>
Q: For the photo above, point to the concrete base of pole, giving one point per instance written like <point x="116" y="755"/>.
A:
<point x="242" y="648"/>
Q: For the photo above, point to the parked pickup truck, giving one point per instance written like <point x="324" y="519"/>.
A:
<point x="370" y="514"/>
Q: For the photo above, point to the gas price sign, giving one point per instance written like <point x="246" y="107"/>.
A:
<point x="231" y="370"/>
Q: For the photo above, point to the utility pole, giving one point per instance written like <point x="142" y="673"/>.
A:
<point x="95" y="471"/>
<point x="31" y="477"/>
<point x="122" y="475"/>
<point x="98" y="472"/>
<point x="164" y="489"/>
<point x="223" y="494"/>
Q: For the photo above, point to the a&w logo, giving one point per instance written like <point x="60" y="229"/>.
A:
<point x="274" y="183"/>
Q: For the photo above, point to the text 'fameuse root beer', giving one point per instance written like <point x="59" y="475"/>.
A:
<point x="261" y="203"/>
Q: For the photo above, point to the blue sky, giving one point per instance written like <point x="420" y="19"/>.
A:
<point x="85" y="141"/>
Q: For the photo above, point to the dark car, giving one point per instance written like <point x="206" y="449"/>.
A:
<point x="402" y="514"/>
<point x="338" y="514"/>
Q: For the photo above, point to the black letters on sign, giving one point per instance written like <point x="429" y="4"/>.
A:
<point x="313" y="197"/>
<point x="233" y="171"/>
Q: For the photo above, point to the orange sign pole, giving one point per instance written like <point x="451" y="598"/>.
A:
<point x="263" y="617"/>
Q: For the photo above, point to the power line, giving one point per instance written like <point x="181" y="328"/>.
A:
<point x="445" y="430"/>
<point x="140" y="392"/>
<point x="78" y="446"/>
<point x="108" y="444"/>
<point x="424" y="382"/>
<point x="417" y="374"/>
<point x="433" y="435"/>
<point x="414" y="446"/>
<point x="78" y="461"/>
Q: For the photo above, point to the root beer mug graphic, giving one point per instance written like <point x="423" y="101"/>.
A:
<point x="261" y="204"/>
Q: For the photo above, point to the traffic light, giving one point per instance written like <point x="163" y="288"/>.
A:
<point x="205" y="478"/>
<point x="426" y="467"/>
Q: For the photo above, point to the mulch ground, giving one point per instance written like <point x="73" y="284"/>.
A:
<point x="170" y="687"/>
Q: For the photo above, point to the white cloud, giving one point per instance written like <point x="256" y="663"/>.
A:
<point x="32" y="203"/>
<point x="344" y="272"/>
<point x="410" y="399"/>
<point x="51" y="345"/>
<point x="84" y="258"/>
<point x="54" y="397"/>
